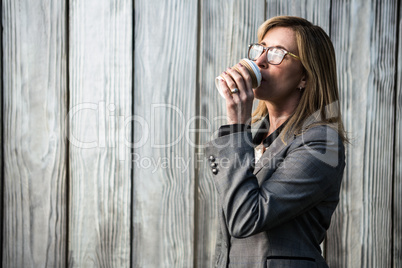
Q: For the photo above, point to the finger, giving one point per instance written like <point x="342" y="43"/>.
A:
<point x="231" y="105"/>
<point x="225" y="90"/>
<point x="246" y="81"/>
<point x="240" y="83"/>
<point x="229" y="79"/>
<point x="245" y="74"/>
<point x="231" y="85"/>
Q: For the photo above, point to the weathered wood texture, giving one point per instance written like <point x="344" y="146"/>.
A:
<point x="364" y="35"/>
<point x="164" y="114"/>
<point x="316" y="11"/>
<point x="397" y="193"/>
<point x="227" y="27"/>
<point x="100" y="81"/>
<point x="137" y="193"/>
<point x="34" y="108"/>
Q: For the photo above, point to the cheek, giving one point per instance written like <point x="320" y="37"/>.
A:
<point x="292" y="78"/>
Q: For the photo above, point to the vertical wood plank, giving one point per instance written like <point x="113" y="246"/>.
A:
<point x="164" y="110"/>
<point x="397" y="211"/>
<point x="364" y="35"/>
<point x="316" y="11"/>
<point x="34" y="109"/>
<point x="100" y="73"/>
<point x="227" y="28"/>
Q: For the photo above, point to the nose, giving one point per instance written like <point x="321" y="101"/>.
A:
<point x="261" y="61"/>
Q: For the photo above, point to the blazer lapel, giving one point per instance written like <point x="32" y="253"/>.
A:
<point x="280" y="142"/>
<point x="277" y="145"/>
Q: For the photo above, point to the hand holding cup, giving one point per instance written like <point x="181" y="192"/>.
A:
<point x="232" y="85"/>
<point x="253" y="70"/>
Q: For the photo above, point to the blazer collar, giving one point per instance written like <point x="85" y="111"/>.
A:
<point x="277" y="145"/>
<point x="283" y="139"/>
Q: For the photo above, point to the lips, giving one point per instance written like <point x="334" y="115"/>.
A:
<point x="263" y="78"/>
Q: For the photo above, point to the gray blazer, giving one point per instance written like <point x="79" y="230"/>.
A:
<point x="275" y="213"/>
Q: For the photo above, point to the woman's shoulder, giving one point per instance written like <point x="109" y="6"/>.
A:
<point x="321" y="141"/>
<point x="319" y="136"/>
<point x="327" y="132"/>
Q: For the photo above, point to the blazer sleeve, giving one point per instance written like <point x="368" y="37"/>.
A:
<point x="311" y="169"/>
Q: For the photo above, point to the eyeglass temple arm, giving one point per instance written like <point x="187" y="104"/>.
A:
<point x="293" y="55"/>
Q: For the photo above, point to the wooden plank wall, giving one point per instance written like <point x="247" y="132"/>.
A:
<point x="366" y="69"/>
<point x="34" y="108"/>
<point x="100" y="106"/>
<point x="106" y="106"/>
<point x="397" y="187"/>
<point x="163" y="159"/>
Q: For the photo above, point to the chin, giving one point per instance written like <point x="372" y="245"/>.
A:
<point x="257" y="94"/>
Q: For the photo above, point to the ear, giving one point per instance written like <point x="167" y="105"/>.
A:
<point x="303" y="82"/>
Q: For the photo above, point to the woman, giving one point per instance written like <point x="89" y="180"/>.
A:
<point x="275" y="210"/>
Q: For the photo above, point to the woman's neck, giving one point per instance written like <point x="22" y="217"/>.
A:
<point x="278" y="115"/>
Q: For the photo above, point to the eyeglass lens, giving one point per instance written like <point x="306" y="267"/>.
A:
<point x="274" y="55"/>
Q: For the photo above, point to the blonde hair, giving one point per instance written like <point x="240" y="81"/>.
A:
<point x="317" y="55"/>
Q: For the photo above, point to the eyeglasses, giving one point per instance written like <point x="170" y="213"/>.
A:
<point x="275" y="55"/>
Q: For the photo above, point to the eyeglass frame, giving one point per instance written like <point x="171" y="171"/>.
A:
<point x="268" y="48"/>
